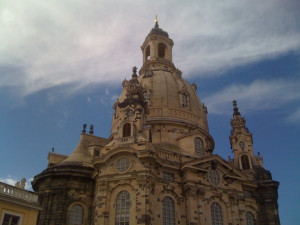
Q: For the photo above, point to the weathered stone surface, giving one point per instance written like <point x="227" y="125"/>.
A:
<point x="159" y="152"/>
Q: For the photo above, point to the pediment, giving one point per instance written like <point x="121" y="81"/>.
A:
<point x="218" y="163"/>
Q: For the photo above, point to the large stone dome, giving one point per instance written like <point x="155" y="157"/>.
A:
<point x="172" y="98"/>
<point x="160" y="100"/>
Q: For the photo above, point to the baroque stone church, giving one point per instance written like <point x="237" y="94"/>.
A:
<point x="158" y="165"/>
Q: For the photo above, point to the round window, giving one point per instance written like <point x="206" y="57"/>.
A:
<point x="123" y="164"/>
<point x="242" y="144"/>
<point x="214" y="177"/>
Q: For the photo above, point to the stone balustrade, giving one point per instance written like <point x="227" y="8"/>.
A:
<point x="8" y="190"/>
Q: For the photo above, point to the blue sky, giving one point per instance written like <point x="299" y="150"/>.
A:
<point x="62" y="64"/>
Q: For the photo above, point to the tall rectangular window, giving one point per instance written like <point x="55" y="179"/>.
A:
<point x="216" y="214"/>
<point x="9" y="219"/>
<point x="185" y="100"/>
<point x="168" y="176"/>
<point x="168" y="211"/>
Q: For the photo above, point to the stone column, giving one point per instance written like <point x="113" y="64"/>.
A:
<point x="142" y="202"/>
<point x="100" y="206"/>
<point x="192" y="211"/>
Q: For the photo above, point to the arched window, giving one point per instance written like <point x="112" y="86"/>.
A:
<point x="147" y="53"/>
<point x="216" y="214"/>
<point x="76" y="215"/>
<point x="250" y="219"/>
<point x="199" y="146"/>
<point x="122" y="208"/>
<point x="168" y="211"/>
<point x="214" y="177"/>
<point x="245" y="162"/>
<point x="162" y="50"/>
<point x="127" y="130"/>
<point x="185" y="100"/>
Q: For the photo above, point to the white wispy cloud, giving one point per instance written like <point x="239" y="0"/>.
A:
<point x="294" y="117"/>
<point x="259" y="95"/>
<point x="54" y="43"/>
<point x="63" y="118"/>
<point x="13" y="180"/>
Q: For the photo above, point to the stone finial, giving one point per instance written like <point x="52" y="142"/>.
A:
<point x="134" y="75"/>
<point x="235" y="109"/>
<point x="156" y="22"/>
<point x="134" y="70"/>
<point x="21" y="184"/>
<point x="91" y="129"/>
<point x="84" y="129"/>
<point x="52" y="149"/>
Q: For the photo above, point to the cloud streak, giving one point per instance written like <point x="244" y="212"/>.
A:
<point x="294" y="117"/>
<point x="49" y="44"/>
<point x="260" y="95"/>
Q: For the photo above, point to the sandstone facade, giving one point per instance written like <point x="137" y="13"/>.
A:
<point x="158" y="166"/>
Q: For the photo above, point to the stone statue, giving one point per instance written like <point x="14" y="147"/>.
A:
<point x="21" y="184"/>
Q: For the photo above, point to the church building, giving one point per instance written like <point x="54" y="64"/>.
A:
<point x="158" y="165"/>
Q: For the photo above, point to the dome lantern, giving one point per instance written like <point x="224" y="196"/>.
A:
<point x="157" y="45"/>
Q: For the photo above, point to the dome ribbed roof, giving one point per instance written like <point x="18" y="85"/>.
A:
<point x="159" y="31"/>
<point x="165" y="96"/>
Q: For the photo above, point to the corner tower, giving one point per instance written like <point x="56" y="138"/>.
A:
<point x="241" y="142"/>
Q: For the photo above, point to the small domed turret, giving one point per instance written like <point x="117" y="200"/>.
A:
<point x="157" y="45"/>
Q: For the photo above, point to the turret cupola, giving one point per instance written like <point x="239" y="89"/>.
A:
<point x="157" y="45"/>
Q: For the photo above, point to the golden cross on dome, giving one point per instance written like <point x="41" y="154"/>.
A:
<point x="156" y="20"/>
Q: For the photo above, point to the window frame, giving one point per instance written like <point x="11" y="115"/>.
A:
<point x="83" y="212"/>
<point x="121" y="213"/>
<point x="199" y="146"/>
<point x="214" y="177"/>
<point x="185" y="101"/>
<point x="123" y="167"/>
<point x="126" y="130"/>
<point x="168" y="211"/>
<point x="4" y="212"/>
<point x="250" y="216"/>
<point x="168" y="176"/>
<point x="216" y="214"/>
